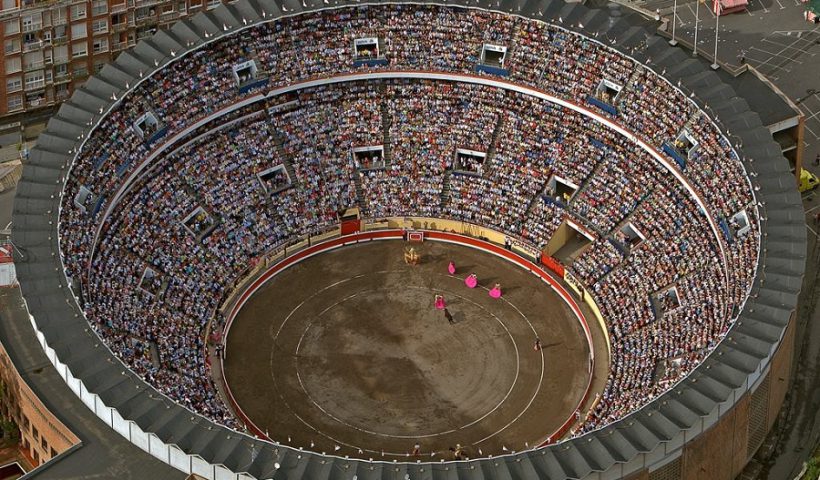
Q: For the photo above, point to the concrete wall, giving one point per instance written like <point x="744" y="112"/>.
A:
<point x="723" y="451"/>
<point x="780" y="373"/>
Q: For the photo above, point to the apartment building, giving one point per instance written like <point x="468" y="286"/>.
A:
<point x="50" y="47"/>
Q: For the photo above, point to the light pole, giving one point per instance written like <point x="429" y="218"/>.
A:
<point x="697" y="17"/>
<point x="715" y="65"/>
<point x="674" y="42"/>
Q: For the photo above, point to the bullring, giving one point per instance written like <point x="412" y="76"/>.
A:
<point x="630" y="191"/>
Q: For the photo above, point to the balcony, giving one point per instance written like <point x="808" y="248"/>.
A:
<point x="58" y="21"/>
<point x="34" y="65"/>
<point x="146" y="20"/>
<point x="168" y="17"/>
<point x="121" y="7"/>
<point x="30" y="47"/>
<point x="121" y="27"/>
<point x="35" y="85"/>
<point x="32" y="27"/>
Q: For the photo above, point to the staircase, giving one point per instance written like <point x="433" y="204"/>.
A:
<point x="630" y="215"/>
<point x="488" y="160"/>
<point x="357" y="181"/>
<point x="585" y="183"/>
<point x="535" y="199"/>
<point x="287" y="161"/>
<point x="633" y="78"/>
<point x="690" y="121"/>
<point x="386" y="122"/>
<point x="445" y="190"/>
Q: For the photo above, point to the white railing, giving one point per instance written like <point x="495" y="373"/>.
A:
<point x="150" y="443"/>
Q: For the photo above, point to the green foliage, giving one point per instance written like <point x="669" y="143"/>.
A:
<point x="812" y="469"/>
<point x="11" y="434"/>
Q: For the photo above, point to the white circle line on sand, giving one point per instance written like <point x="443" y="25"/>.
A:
<point x="320" y="432"/>
<point x="428" y="435"/>
<point x="540" y="379"/>
<point x="272" y="368"/>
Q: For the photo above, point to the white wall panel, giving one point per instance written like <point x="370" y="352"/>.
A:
<point x="158" y="448"/>
<point x="179" y="459"/>
<point x="202" y="468"/>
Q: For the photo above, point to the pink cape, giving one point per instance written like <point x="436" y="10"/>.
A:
<point x="495" y="292"/>
<point x="440" y="304"/>
<point x="471" y="281"/>
<point x="451" y="268"/>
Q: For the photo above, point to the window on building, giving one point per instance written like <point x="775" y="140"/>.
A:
<point x="58" y="16"/>
<point x="99" y="26"/>
<point x="44" y="444"/>
<point x="35" y="80"/>
<point x="78" y="11"/>
<point x="13" y="84"/>
<point x="60" y="70"/>
<point x="100" y="45"/>
<point x="59" y="33"/>
<point x="61" y="91"/>
<point x="10" y="4"/>
<point x="80" y="70"/>
<point x="119" y="19"/>
<point x="60" y="54"/>
<point x="78" y="31"/>
<point x="213" y="4"/>
<point x="79" y="49"/>
<point x="13" y="65"/>
<point x="34" y="433"/>
<point x="182" y="7"/>
<point x="32" y="22"/>
<point x="12" y="45"/>
<point x="98" y="66"/>
<point x="167" y="8"/>
<point x="12" y="26"/>
<point x="99" y="7"/>
<point x="144" y="12"/>
<point x="33" y="60"/>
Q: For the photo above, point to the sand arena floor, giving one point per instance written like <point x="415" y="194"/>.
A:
<point x="345" y="353"/>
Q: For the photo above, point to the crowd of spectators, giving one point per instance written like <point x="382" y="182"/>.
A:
<point x="154" y="283"/>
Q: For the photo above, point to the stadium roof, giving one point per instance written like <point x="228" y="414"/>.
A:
<point x="660" y="427"/>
